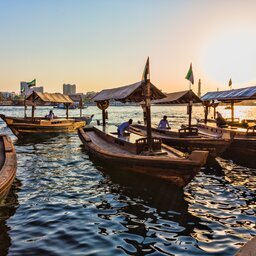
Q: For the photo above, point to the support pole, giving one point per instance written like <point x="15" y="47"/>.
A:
<point x="67" y="105"/>
<point x="232" y="111"/>
<point x="148" y="115"/>
<point x="206" y="109"/>
<point x="103" y="117"/>
<point x="81" y="106"/>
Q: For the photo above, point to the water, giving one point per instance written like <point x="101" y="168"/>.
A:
<point x="62" y="204"/>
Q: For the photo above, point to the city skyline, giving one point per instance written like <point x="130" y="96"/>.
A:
<point x="104" y="44"/>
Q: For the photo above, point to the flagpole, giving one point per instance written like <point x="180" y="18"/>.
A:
<point x="148" y="112"/>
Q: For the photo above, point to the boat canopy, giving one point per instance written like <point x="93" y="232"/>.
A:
<point x="129" y="93"/>
<point x="179" y="98"/>
<point x="248" y="93"/>
<point x="49" y="97"/>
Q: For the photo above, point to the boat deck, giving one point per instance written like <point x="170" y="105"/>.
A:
<point x="213" y="129"/>
<point x="124" y="144"/>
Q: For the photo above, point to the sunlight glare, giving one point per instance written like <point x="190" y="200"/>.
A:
<point x="230" y="54"/>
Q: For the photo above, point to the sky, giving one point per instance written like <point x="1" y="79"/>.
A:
<point x="100" y="44"/>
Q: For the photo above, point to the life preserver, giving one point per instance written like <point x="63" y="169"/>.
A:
<point x="103" y="104"/>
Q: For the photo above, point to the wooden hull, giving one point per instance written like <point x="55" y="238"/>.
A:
<point x="215" y="146"/>
<point x="113" y="155"/>
<point x="243" y="147"/>
<point x="23" y="127"/>
<point x="8" y="165"/>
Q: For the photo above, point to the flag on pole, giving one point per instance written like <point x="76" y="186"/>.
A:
<point x="190" y="75"/>
<point x="32" y="83"/>
<point x="146" y="73"/>
<point x="230" y="83"/>
<point x="22" y="89"/>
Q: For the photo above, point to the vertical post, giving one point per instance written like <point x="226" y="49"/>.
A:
<point x="67" y="105"/>
<point x="103" y="118"/>
<point x="205" y="113"/>
<point x="81" y="106"/>
<point x="189" y="114"/>
<point x="148" y="115"/>
<point x="232" y="111"/>
<point x="25" y="108"/>
<point x="143" y="105"/>
<point x="33" y="107"/>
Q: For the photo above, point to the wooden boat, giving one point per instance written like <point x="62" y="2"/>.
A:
<point x="187" y="137"/>
<point x="130" y="154"/>
<point x="134" y="153"/>
<point x="188" y="143"/>
<point x="8" y="165"/>
<point x="27" y="126"/>
<point x="243" y="147"/>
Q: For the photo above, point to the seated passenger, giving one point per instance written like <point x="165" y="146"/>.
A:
<point x="50" y="115"/>
<point x="220" y="120"/>
<point x="164" y="124"/>
<point x="124" y="126"/>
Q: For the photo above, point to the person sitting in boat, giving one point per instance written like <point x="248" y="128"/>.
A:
<point x="124" y="127"/>
<point x="50" y="115"/>
<point x="164" y="124"/>
<point x="220" y="120"/>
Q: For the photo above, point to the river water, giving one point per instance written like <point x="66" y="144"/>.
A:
<point x="62" y="204"/>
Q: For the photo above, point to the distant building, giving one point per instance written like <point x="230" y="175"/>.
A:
<point x="7" y="95"/>
<point x="69" y="89"/>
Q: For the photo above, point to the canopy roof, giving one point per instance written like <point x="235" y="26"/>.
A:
<point x="248" y="93"/>
<point x="179" y="98"/>
<point x="49" y="97"/>
<point x="129" y="93"/>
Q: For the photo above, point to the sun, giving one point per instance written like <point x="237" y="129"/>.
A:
<point x="230" y="53"/>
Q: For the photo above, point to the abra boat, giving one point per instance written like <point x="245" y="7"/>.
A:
<point x="215" y="145"/>
<point x="243" y="147"/>
<point x="27" y="126"/>
<point x="134" y="153"/>
<point x="187" y="138"/>
<point x="8" y="165"/>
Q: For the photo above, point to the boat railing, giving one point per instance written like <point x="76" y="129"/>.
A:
<point x="142" y="145"/>
<point x="188" y="132"/>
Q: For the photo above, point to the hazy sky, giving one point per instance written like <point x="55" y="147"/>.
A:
<point x="99" y="44"/>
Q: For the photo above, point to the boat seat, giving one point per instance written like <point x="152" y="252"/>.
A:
<point x="142" y="145"/>
<point x="188" y="132"/>
<point x="251" y="126"/>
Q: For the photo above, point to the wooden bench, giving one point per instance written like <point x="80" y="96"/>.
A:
<point x="251" y="126"/>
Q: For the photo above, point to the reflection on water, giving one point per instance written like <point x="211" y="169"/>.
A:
<point x="8" y="209"/>
<point x="68" y="206"/>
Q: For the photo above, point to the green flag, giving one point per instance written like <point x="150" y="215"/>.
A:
<point x="190" y="75"/>
<point x="32" y="83"/>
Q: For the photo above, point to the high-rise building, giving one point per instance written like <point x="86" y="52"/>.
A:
<point x="69" y="89"/>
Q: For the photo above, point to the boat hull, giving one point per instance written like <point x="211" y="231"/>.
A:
<point x="179" y="171"/>
<point x="8" y="166"/>
<point x="22" y="127"/>
<point x="241" y="150"/>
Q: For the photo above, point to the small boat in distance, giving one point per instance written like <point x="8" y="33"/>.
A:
<point x="28" y="126"/>
<point x="133" y="153"/>
<point x="8" y="165"/>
